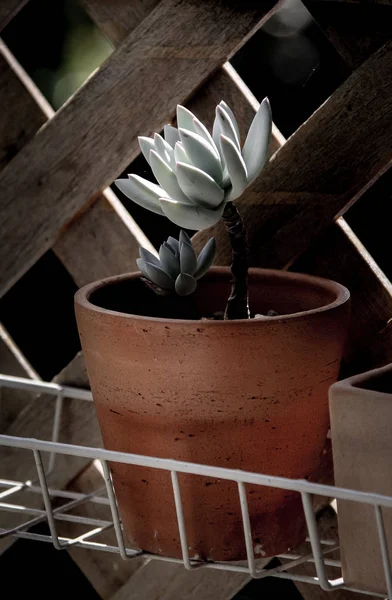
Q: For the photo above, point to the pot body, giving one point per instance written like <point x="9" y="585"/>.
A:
<point x="361" y="423"/>
<point x="249" y="395"/>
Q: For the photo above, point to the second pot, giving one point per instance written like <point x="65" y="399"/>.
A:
<point x="247" y="394"/>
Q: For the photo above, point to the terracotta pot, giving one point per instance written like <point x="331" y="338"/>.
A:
<point x="361" y="424"/>
<point x="246" y="394"/>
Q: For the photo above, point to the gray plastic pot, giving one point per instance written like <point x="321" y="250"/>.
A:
<point x="361" y="425"/>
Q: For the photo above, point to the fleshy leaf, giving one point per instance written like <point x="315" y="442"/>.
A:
<point x="164" y="149"/>
<point x="202" y="130"/>
<point x="167" y="178"/>
<point x="148" y="256"/>
<point x="184" y="237"/>
<point x="226" y="126"/>
<point x="199" y="186"/>
<point x="190" y="217"/>
<point x="180" y="155"/>
<point x="141" y="265"/>
<point x="185" y="118"/>
<point x="185" y="284"/>
<point x="173" y="243"/>
<point x="167" y="245"/>
<point x="146" y="144"/>
<point x="158" y="276"/>
<point x="227" y="108"/>
<point x="205" y="258"/>
<point x="188" y="260"/>
<point x="255" y="150"/>
<point x="202" y="154"/>
<point x="236" y="168"/>
<point x="169" y="262"/>
<point x="142" y="192"/>
<point x="171" y="135"/>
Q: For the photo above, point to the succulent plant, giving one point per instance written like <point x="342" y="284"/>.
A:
<point x="177" y="268"/>
<point x="199" y="173"/>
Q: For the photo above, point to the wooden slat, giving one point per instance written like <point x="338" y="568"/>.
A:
<point x="170" y="54"/>
<point x="118" y="18"/>
<point x="37" y="420"/>
<point x="339" y="254"/>
<point x="107" y="572"/>
<point x="8" y="10"/>
<point x="356" y="29"/>
<point x="101" y="241"/>
<point x="78" y="426"/>
<point x="319" y="172"/>
<point x="163" y="581"/>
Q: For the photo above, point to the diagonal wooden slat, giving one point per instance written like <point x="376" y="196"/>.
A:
<point x="170" y="54"/>
<point x="8" y="10"/>
<point x="119" y="17"/>
<point x="104" y="239"/>
<point x="327" y="164"/>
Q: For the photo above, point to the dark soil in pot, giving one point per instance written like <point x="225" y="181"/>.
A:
<point x="240" y="394"/>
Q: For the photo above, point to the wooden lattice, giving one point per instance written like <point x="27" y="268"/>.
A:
<point x="55" y="169"/>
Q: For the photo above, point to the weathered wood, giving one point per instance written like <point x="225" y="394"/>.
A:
<point x="8" y="10"/>
<point x="170" y="54"/>
<point x="164" y="581"/>
<point x="118" y="18"/>
<point x="101" y="241"/>
<point x="319" y="173"/>
<point x="106" y="572"/>
<point x="339" y="254"/>
<point x="37" y="420"/>
<point x="356" y="29"/>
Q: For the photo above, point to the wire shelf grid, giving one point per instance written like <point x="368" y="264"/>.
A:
<point x="319" y="549"/>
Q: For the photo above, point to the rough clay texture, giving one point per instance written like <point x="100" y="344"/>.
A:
<point x="250" y="395"/>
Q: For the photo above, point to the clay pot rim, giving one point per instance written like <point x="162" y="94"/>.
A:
<point x="342" y="295"/>
<point x="353" y="383"/>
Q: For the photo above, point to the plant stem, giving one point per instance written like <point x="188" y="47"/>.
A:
<point x="237" y="306"/>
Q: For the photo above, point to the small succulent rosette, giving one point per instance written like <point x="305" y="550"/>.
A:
<point x="198" y="173"/>
<point x="178" y="268"/>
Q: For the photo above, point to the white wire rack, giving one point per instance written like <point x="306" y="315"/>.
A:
<point x="319" y="549"/>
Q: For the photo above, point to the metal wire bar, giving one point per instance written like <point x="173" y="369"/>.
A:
<point x="240" y="477"/>
<point x="180" y="520"/>
<point x="215" y="566"/>
<point x="114" y="510"/>
<point x="12" y="490"/>
<point x="329" y="562"/>
<point x="294" y="563"/>
<point x="55" y="431"/>
<point x="33" y="385"/>
<point x="46" y="499"/>
<point x="60" y="509"/>
<point x="88" y="534"/>
<point x="315" y="541"/>
<point x="17" y="508"/>
<point x="384" y="549"/>
<point x="26" y="486"/>
<point x="168" y="464"/>
<point x="247" y="530"/>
